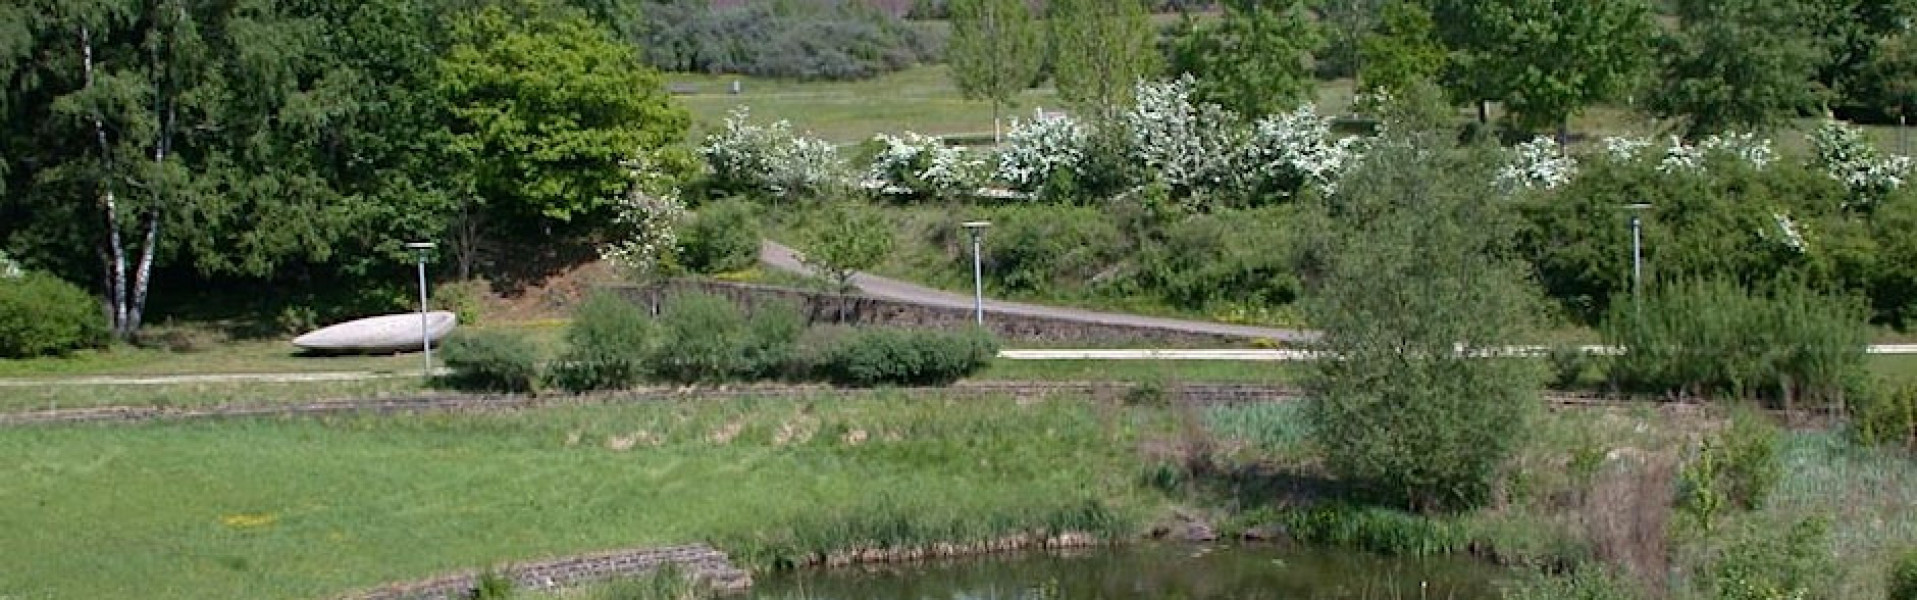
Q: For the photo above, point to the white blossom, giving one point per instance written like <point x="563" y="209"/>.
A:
<point x="1680" y="156"/>
<point x="1788" y="232"/>
<point x="920" y="165"/>
<point x="770" y="157"/>
<point x="1300" y="145"/>
<point x="649" y="216"/>
<point x="1538" y="163"/>
<point x="1189" y="146"/>
<point x="1622" y="149"/>
<point x="1037" y="149"/>
<point x="1842" y="153"/>
<point x="10" y="268"/>
<point x="1745" y="146"/>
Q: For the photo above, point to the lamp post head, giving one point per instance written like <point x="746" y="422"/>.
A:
<point x="1638" y="206"/>
<point x="419" y="245"/>
<point x="975" y="225"/>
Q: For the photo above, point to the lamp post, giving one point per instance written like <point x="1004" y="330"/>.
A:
<point x="1637" y="255"/>
<point x="977" y="229"/>
<point x="425" y="336"/>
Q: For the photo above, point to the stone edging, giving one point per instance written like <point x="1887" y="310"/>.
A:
<point x="702" y="563"/>
<point x="1207" y="393"/>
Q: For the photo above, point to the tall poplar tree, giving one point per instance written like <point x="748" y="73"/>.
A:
<point x="1100" y="49"/>
<point x="994" y="51"/>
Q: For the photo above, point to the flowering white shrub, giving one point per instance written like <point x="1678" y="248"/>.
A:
<point x="9" y="268"/>
<point x="1788" y="233"/>
<point x="1747" y="147"/>
<point x="649" y="217"/>
<point x="1187" y="146"/>
<point x="921" y="166"/>
<point x="1538" y="163"/>
<point x="1623" y="149"/>
<point x="1036" y="149"/>
<point x="770" y="158"/>
<point x="1842" y="152"/>
<point x="1299" y="147"/>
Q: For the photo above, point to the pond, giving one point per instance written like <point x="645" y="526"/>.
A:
<point x="1150" y="571"/>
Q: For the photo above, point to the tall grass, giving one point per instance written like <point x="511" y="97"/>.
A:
<point x="280" y="508"/>
<point x="1866" y="494"/>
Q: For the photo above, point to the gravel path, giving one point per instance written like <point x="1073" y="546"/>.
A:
<point x="780" y="257"/>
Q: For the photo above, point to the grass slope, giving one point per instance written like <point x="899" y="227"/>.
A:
<point x="305" y="508"/>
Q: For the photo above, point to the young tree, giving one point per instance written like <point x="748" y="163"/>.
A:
<point x="1100" y="49"/>
<point x="994" y="51"/>
<point x="1737" y="64"/>
<point x="1411" y="284"/>
<point x="1252" y="60"/>
<point x="1402" y="52"/>
<point x="1346" y="24"/>
<point x="847" y="236"/>
<point x="544" y="110"/>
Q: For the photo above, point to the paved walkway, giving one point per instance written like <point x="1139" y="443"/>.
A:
<point x="780" y="257"/>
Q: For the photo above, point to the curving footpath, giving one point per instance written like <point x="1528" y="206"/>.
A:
<point x="777" y="256"/>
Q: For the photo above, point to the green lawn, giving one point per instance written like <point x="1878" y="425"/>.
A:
<point x="64" y="396"/>
<point x="301" y="508"/>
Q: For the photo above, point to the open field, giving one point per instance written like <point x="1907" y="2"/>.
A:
<point x="310" y="508"/>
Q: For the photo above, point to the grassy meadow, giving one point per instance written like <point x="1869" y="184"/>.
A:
<point x="300" y="508"/>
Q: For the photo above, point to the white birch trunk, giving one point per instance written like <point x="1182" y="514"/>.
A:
<point x="115" y="253"/>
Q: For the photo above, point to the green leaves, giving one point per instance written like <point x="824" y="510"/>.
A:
<point x="1100" y="49"/>
<point x="542" y="110"/>
<point x="1253" y="59"/>
<point x="994" y="50"/>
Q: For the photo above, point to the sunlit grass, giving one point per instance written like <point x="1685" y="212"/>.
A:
<point x="284" y="508"/>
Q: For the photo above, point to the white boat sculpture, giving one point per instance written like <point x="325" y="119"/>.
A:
<point x="384" y="333"/>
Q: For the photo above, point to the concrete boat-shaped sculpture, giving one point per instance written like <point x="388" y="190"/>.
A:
<point x="381" y="334"/>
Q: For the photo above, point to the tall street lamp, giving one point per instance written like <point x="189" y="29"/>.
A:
<point x="1637" y="255"/>
<point x="425" y="336"/>
<point x="977" y="229"/>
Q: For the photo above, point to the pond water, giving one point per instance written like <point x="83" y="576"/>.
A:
<point x="1149" y="571"/>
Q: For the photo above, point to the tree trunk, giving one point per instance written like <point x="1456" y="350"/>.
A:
<point x="1484" y="112"/>
<point x="114" y="254"/>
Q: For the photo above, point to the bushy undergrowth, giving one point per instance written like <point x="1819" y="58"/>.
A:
<point x="41" y="315"/>
<point x="1735" y="469"/>
<point x="606" y="345"/>
<point x="722" y="237"/>
<point x="706" y="338"/>
<point x="905" y="357"/>
<point x="1888" y="415"/>
<point x="491" y="361"/>
<point x="1715" y="338"/>
<point x="1374" y="529"/>
<point x="1903" y="577"/>
<point x="1590" y="582"/>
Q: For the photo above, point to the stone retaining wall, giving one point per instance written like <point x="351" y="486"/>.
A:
<point x="700" y="562"/>
<point x="821" y="308"/>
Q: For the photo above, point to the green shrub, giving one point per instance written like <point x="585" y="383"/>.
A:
<point x="721" y="238"/>
<point x="606" y="345"/>
<point x="1759" y="562"/>
<point x="43" y="315"/>
<point x="1586" y="583"/>
<point x="1903" y="577"/>
<point x="463" y="298"/>
<point x="1568" y="365"/>
<point x="1887" y="415"/>
<point x="1736" y="468"/>
<point x="1047" y="247"/>
<point x="492" y="585"/>
<point x="1378" y="530"/>
<point x="491" y="361"/>
<point x="706" y="338"/>
<point x="906" y="357"/>
<point x="1716" y="338"/>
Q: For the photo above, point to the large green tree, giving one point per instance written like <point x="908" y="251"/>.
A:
<point x="994" y="52"/>
<point x="156" y="132"/>
<point x="1253" y="59"/>
<point x="1545" y="59"/>
<point x="1346" y="24"/>
<point x="1100" y="49"/>
<point x="544" y="112"/>
<point x="1738" y="64"/>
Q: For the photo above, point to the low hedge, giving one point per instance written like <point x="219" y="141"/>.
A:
<point x="876" y="357"/>
<point x="491" y="361"/>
